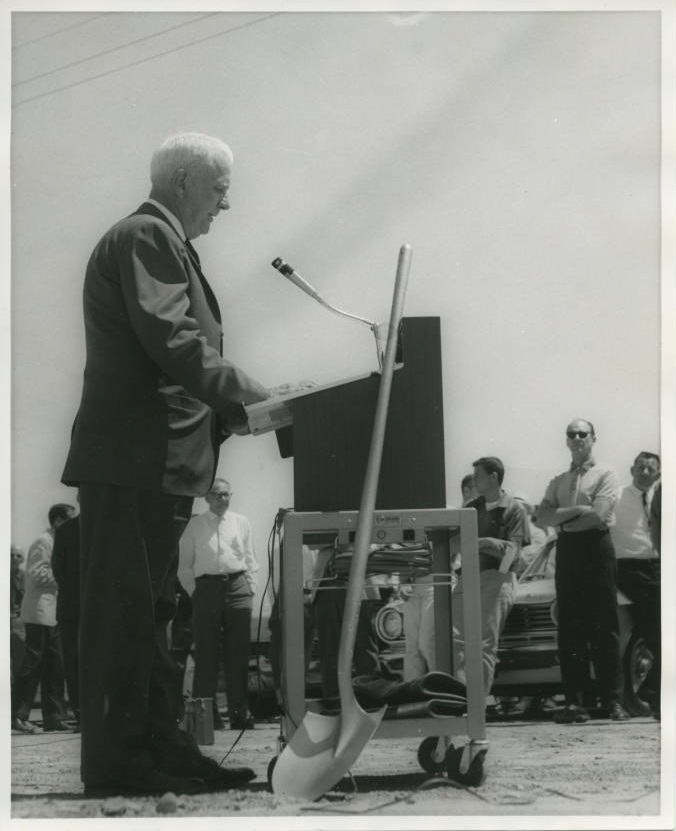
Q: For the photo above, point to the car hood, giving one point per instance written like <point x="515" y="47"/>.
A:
<point x="535" y="591"/>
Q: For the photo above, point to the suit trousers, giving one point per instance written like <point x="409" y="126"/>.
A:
<point x="221" y="619"/>
<point x="71" y="660"/>
<point x="42" y="664"/>
<point x="130" y="687"/>
<point x="641" y="580"/>
<point x="586" y="594"/>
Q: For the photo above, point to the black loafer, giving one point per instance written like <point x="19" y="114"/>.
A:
<point x="189" y="761"/>
<point x="203" y="767"/>
<point x="571" y="714"/>
<point x="222" y="779"/>
<point x="616" y="712"/>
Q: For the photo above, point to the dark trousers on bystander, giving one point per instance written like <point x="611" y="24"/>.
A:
<point x="640" y="580"/>
<point x="42" y="665"/>
<point x="71" y="662"/>
<point x="586" y="593"/>
<point x="329" y="605"/>
<point x="221" y="619"/>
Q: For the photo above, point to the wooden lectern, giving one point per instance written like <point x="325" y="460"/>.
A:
<point x="331" y="433"/>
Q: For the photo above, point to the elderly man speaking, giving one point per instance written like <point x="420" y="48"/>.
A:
<point x="157" y="400"/>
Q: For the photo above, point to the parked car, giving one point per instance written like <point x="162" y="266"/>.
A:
<point x="387" y="622"/>
<point x="528" y="662"/>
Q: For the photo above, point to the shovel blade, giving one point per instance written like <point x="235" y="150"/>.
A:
<point x="321" y="751"/>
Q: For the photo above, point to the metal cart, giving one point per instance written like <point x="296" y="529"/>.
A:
<point x="450" y="531"/>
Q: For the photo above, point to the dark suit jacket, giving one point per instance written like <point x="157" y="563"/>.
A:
<point x="157" y="395"/>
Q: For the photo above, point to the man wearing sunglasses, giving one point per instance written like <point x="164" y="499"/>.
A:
<point x="580" y="504"/>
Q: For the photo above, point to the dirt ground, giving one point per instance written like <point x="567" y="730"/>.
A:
<point x="533" y="768"/>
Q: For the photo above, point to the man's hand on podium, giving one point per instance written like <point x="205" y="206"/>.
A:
<point x="289" y="389"/>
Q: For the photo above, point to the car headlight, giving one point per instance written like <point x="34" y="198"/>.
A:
<point x="389" y="624"/>
<point x="554" y="613"/>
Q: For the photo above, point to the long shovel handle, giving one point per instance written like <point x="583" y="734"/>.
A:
<point x="355" y="585"/>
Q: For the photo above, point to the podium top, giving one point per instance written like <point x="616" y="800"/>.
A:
<point x="275" y="413"/>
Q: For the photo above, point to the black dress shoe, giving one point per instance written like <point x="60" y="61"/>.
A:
<point x="616" y="712"/>
<point x="571" y="714"/>
<point x="641" y="708"/>
<point x="148" y="784"/>
<point x="20" y="725"/>
<point x="195" y="764"/>
<point x="219" y="778"/>
<point x="56" y="726"/>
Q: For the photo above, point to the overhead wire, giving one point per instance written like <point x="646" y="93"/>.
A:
<point x="59" y="31"/>
<point x="146" y="59"/>
<point x="112" y="49"/>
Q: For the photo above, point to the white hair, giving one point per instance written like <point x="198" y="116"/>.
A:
<point x="187" y="151"/>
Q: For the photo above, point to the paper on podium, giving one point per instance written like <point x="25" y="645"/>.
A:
<point x="277" y="411"/>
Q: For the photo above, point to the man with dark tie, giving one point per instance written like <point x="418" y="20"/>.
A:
<point x="158" y="398"/>
<point x="638" y="563"/>
<point x="580" y="504"/>
<point x="217" y="567"/>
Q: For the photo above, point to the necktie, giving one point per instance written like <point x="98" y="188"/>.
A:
<point x="644" y="500"/>
<point x="192" y="252"/>
<point x="575" y="485"/>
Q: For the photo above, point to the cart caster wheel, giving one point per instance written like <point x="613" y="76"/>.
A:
<point x="271" y="767"/>
<point x="475" y="775"/>
<point x="426" y="756"/>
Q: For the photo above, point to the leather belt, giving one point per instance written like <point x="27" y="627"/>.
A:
<point x="222" y="577"/>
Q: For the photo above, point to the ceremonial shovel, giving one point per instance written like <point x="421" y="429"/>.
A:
<point x="325" y="746"/>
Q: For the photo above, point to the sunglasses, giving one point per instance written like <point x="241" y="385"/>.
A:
<point x="580" y="434"/>
<point x="220" y="494"/>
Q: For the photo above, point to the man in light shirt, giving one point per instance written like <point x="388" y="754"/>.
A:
<point x="217" y="567"/>
<point x="580" y="504"/>
<point x="638" y="563"/>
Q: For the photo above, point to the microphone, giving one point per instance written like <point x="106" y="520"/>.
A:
<point x="379" y="330"/>
<point x="290" y="274"/>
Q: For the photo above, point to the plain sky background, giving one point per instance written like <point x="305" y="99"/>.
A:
<point x="517" y="152"/>
<point x="525" y="154"/>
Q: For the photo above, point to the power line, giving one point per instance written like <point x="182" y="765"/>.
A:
<point x="58" y="31"/>
<point x="112" y="49"/>
<point x="145" y="60"/>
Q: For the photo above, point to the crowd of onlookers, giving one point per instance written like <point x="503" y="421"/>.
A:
<point x="607" y="538"/>
<point x="209" y="617"/>
<point x="37" y="645"/>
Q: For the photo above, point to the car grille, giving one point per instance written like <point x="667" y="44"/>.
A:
<point x="530" y="624"/>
